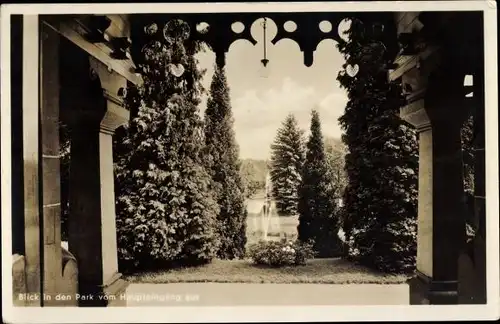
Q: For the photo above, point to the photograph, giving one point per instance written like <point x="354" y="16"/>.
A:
<point x="190" y="162"/>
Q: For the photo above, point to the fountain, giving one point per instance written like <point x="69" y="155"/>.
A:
<point x="268" y="216"/>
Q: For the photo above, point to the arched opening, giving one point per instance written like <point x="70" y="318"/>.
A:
<point x="292" y="90"/>
<point x="297" y="85"/>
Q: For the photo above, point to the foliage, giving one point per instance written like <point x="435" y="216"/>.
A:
<point x="165" y="208"/>
<point x="468" y="155"/>
<point x="253" y="174"/>
<point x="317" y="210"/>
<point x="64" y="152"/>
<point x="280" y="253"/>
<point x="468" y="161"/>
<point x="379" y="215"/>
<point x="335" y="152"/>
<point x="252" y="187"/>
<point x="287" y="154"/>
<point x="224" y="167"/>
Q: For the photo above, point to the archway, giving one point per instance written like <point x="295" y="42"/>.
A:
<point x="449" y="30"/>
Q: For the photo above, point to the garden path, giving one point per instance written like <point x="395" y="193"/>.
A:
<point x="249" y="294"/>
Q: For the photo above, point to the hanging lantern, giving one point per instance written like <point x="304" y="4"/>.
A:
<point x="264" y="69"/>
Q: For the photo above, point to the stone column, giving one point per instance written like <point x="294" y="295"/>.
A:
<point x="92" y="227"/>
<point x="51" y="198"/>
<point x="448" y="211"/>
<point x="31" y="156"/>
<point x="438" y="115"/>
<point x="480" y="200"/>
<point x="479" y="242"/>
<point x="416" y="115"/>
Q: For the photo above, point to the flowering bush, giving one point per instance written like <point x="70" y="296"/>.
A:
<point x="280" y="253"/>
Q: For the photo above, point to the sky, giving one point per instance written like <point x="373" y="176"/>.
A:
<point x="260" y="104"/>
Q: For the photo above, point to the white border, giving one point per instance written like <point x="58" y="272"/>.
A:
<point x="252" y="314"/>
<point x="136" y="8"/>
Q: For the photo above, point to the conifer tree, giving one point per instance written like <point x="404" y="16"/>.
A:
<point x="379" y="217"/>
<point x="335" y="156"/>
<point x="316" y="206"/>
<point x="287" y="154"/>
<point x="224" y="167"/>
<point x="165" y="209"/>
<point x="65" y="158"/>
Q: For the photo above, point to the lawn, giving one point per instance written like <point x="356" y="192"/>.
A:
<point x="326" y="271"/>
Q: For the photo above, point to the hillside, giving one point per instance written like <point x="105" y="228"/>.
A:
<point x="334" y="144"/>
<point x="254" y="174"/>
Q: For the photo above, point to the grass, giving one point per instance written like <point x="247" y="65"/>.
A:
<point x="325" y="271"/>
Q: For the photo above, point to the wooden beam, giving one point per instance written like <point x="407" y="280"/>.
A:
<point x="100" y="51"/>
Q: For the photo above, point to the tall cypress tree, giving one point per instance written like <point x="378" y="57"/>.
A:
<point x="287" y="154"/>
<point x="222" y="151"/>
<point x="165" y="209"/>
<point x="379" y="217"/>
<point x="316" y="206"/>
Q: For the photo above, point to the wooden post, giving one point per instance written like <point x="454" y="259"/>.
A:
<point x="31" y="154"/>
<point x="92" y="226"/>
